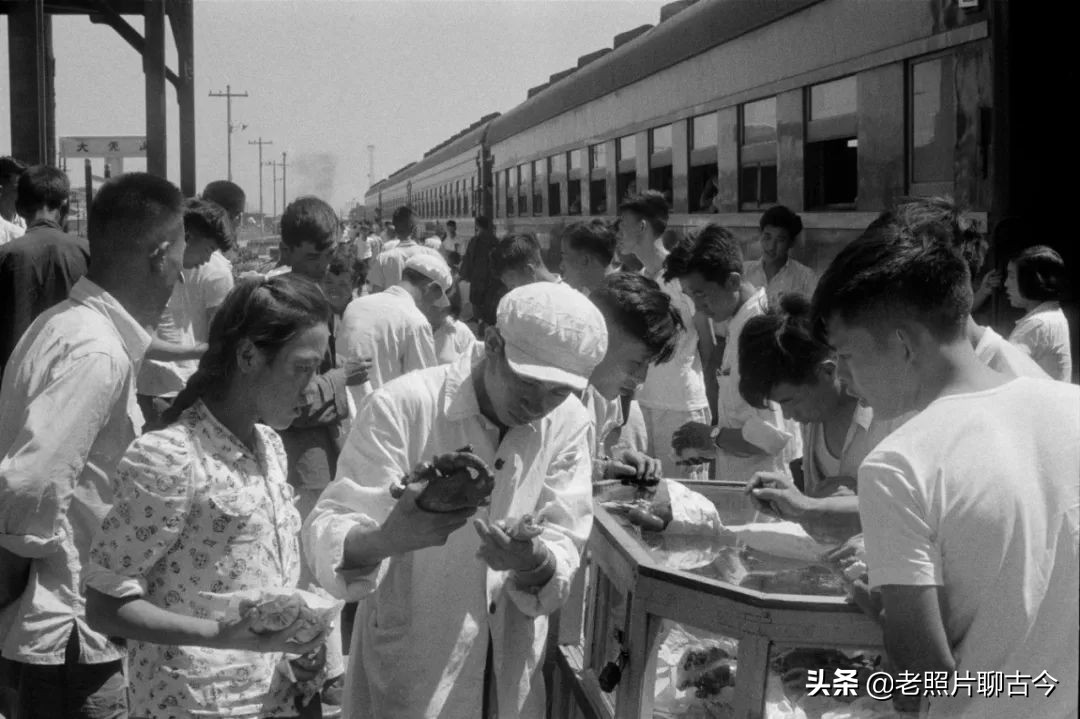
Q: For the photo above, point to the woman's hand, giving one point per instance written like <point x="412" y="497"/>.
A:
<point x="240" y="635"/>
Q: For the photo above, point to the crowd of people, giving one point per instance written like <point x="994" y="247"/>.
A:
<point x="170" y="434"/>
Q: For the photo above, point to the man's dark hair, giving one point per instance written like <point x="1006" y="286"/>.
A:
<point x="227" y="194"/>
<point x="897" y="273"/>
<point x="346" y="261"/>
<point x="453" y="258"/>
<point x="712" y="252"/>
<point x="779" y="347"/>
<point x="402" y="215"/>
<point x="10" y="167"/>
<point x="309" y="219"/>
<point x="1040" y="274"/>
<point x="451" y="223"/>
<point x="650" y="206"/>
<point x="638" y="305"/>
<point x="40" y="187"/>
<point x="595" y="240"/>
<point x="515" y="251"/>
<point x="129" y="208"/>
<point x="937" y="213"/>
<point x="483" y="222"/>
<point x="782" y="217"/>
<point x="209" y="218"/>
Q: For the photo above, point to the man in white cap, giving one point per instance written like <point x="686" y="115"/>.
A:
<point x="454" y="624"/>
<point x="391" y="327"/>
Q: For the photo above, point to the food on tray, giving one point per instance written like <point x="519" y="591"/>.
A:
<point x="455" y="481"/>
<point x="277" y="609"/>
<point x="794" y="665"/>
<point x="707" y="669"/>
<point x="523" y="529"/>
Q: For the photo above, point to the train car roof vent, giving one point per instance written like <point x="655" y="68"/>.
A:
<point x="560" y="75"/>
<point x="674" y="8"/>
<point x="586" y="59"/>
<point x="625" y="37"/>
<point x="538" y="88"/>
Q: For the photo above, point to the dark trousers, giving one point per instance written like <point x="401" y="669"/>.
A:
<point x="70" y="690"/>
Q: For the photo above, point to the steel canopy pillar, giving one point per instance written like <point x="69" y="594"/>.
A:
<point x="181" y="17"/>
<point x="154" y="69"/>
<point x="31" y="66"/>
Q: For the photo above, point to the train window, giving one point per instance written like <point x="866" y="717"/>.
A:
<point x="597" y="156"/>
<point x="833" y="99"/>
<point x="556" y="173"/>
<point x="759" y="121"/>
<point x="511" y="191"/>
<point x="538" y="187"/>
<point x="831" y="153"/>
<point x="626" y="149"/>
<point x="574" y="157"/>
<point x="660" y="173"/>
<point x="524" y="187"/>
<point x="703" y="174"/>
<point x="626" y="176"/>
<point x="932" y="125"/>
<point x="500" y="208"/>
<point x="757" y="158"/>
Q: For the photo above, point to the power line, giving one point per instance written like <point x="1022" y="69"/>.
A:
<point x="260" y="142"/>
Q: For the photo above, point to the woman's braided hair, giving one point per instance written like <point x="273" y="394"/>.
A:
<point x="269" y="313"/>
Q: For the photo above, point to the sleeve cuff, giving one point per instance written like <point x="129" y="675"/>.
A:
<point x="546" y="598"/>
<point x="761" y="434"/>
<point x="905" y="576"/>
<point x="112" y="584"/>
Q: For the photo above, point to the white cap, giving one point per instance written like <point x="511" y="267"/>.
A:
<point x="434" y="267"/>
<point x="552" y="333"/>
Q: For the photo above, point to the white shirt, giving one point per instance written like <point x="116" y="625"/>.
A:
<point x="1043" y="333"/>
<point x="1000" y="355"/>
<point x="208" y="285"/>
<point x="979" y="494"/>
<point x="421" y="636"/>
<point x="67" y="413"/>
<point x="679" y="383"/>
<point x="761" y="427"/>
<point x="387" y="267"/>
<point x="11" y="230"/>
<point x="434" y="242"/>
<point x="453" y="338"/>
<point x="389" y="329"/>
<point x="793" y="277"/>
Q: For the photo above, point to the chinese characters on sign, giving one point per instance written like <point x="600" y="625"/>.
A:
<point x="882" y="685"/>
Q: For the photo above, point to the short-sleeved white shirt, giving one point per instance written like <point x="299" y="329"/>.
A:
<point x="793" y="278"/>
<point x="679" y="383"/>
<point x="453" y="338"/>
<point x="389" y="329"/>
<point x="1043" y="333"/>
<point x="979" y="494"/>
<point x="1000" y="355"/>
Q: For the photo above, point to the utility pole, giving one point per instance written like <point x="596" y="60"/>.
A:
<point x="273" y="193"/>
<point x="228" y="95"/>
<point x="260" y="142"/>
<point x="284" y="166"/>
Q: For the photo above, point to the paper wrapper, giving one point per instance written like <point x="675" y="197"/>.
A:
<point x="670" y="701"/>
<point x="781" y="539"/>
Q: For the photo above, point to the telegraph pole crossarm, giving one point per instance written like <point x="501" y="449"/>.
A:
<point x="228" y="95"/>
<point x="260" y="142"/>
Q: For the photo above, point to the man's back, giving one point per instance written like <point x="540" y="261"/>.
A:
<point x="980" y="494"/>
<point x="37" y="271"/>
<point x="388" y="266"/>
<point x="388" y="328"/>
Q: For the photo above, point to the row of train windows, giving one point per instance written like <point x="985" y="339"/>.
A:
<point x="830" y="153"/>
<point x="455" y="199"/>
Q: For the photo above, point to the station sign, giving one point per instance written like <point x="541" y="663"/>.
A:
<point x="118" y="146"/>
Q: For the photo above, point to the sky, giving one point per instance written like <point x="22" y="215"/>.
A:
<point x="327" y="78"/>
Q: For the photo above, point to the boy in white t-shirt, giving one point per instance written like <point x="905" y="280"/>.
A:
<point x="970" y="509"/>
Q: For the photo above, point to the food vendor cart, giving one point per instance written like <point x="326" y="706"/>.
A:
<point x="706" y="625"/>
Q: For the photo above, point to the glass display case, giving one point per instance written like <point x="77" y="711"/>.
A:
<point x="725" y="621"/>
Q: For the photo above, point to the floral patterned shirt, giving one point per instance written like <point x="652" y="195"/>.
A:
<point x="197" y="511"/>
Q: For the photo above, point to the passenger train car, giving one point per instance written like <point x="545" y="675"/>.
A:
<point x="834" y="108"/>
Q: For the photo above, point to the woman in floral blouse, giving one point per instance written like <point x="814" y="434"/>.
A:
<point x="203" y="506"/>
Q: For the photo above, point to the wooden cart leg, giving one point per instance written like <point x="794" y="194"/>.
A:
<point x="750" y="684"/>
<point x="638" y="686"/>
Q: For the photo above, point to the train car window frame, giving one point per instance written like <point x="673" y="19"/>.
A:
<point x="598" y="199"/>
<point x="830" y="151"/>
<point x="538" y="181"/>
<point x="943" y="185"/>
<point x="573" y="182"/>
<point x="702" y="157"/>
<point x="556" y="173"/>
<point x="523" y="190"/>
<point x="625" y="167"/>
<point x="661" y="170"/>
<point x="758" y="156"/>
<point x="510" y="190"/>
